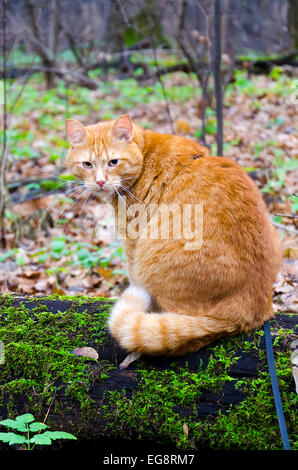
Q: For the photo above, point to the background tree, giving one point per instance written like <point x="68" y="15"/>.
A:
<point x="293" y="23"/>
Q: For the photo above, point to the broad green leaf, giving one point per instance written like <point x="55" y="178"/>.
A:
<point x="11" y="423"/>
<point x="83" y="254"/>
<point x="35" y="427"/>
<point x="59" y="435"/>
<point x="41" y="439"/>
<point x="26" y="418"/>
<point x="12" y="438"/>
<point x="42" y="258"/>
<point x="57" y="245"/>
<point x="7" y="255"/>
<point x="17" y="439"/>
<point x="6" y="436"/>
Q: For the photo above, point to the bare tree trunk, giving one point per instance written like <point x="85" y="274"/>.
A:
<point x="4" y="144"/>
<point x="54" y="26"/>
<point x="293" y="22"/>
<point x="46" y="52"/>
<point x="217" y="75"/>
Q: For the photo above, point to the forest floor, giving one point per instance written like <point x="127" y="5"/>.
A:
<point x="53" y="244"/>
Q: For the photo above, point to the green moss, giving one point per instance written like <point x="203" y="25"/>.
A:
<point x="38" y="351"/>
<point x="78" y="299"/>
<point x="39" y="365"/>
<point x="153" y="409"/>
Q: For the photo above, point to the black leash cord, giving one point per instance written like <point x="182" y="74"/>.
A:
<point x="275" y="388"/>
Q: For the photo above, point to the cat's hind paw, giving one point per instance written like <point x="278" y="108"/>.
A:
<point x="129" y="359"/>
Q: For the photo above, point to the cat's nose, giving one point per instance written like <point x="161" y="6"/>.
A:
<point x="100" y="183"/>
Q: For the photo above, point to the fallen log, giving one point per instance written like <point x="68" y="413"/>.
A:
<point x="70" y="76"/>
<point x="218" y="398"/>
<point x="125" y="67"/>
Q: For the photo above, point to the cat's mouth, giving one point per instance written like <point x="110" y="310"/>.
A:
<point x="102" y="187"/>
<point x="109" y="188"/>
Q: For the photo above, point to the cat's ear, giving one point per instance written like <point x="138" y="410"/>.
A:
<point x="76" y="132"/>
<point x="122" y="128"/>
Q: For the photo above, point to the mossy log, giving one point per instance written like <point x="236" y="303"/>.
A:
<point x="218" y="398"/>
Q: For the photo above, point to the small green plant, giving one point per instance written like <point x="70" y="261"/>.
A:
<point x="280" y="168"/>
<point x="294" y="204"/>
<point x="26" y="425"/>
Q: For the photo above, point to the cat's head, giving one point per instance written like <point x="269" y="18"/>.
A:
<point x="107" y="155"/>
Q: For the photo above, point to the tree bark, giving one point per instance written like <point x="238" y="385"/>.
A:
<point x="217" y="76"/>
<point x="46" y="52"/>
<point x="293" y="22"/>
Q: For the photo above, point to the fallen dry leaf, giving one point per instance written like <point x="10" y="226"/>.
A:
<point x="291" y="252"/>
<point x="42" y="285"/>
<point x="58" y="291"/>
<point x="288" y="302"/>
<point x="27" y="208"/>
<point x="86" y="351"/>
<point x="106" y="273"/>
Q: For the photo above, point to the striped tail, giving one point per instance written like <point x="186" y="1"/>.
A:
<point x="158" y="333"/>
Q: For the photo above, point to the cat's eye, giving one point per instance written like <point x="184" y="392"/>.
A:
<point x="87" y="165"/>
<point x="113" y="162"/>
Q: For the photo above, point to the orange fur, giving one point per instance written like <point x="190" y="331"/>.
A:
<point x="223" y="288"/>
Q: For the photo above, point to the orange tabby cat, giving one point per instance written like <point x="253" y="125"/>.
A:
<point x="180" y="299"/>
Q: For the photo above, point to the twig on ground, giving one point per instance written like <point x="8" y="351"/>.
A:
<point x="285" y="228"/>
<point x="290" y="216"/>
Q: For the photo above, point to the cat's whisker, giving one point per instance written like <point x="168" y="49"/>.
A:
<point x="124" y="201"/>
<point x="57" y="178"/>
<point x="53" y="191"/>
<point x="75" y="194"/>
<point x="132" y="195"/>
<point x="82" y="208"/>
<point x="117" y="184"/>
<point x="68" y="191"/>
<point x="61" y="213"/>
<point x="127" y="179"/>
<point x="120" y="181"/>
<point x="69" y="181"/>
<point x="55" y="200"/>
<point x="73" y="190"/>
